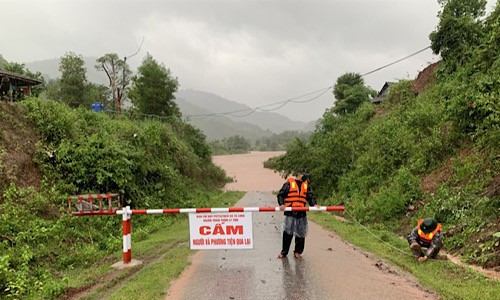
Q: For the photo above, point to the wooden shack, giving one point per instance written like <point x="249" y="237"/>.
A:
<point x="383" y="93"/>
<point x="13" y="86"/>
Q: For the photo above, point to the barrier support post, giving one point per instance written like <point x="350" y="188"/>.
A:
<point x="127" y="239"/>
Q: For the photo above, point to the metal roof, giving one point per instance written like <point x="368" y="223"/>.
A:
<point x="383" y="92"/>
<point x="19" y="77"/>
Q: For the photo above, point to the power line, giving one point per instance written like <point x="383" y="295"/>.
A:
<point x="262" y="108"/>
<point x="284" y="102"/>
<point x="395" y="62"/>
<point x="297" y="101"/>
<point x="293" y="100"/>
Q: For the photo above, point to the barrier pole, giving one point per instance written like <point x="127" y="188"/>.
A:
<point x="233" y="209"/>
<point x="127" y="213"/>
<point x="127" y="238"/>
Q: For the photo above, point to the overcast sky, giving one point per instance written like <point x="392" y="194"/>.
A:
<point x="252" y="52"/>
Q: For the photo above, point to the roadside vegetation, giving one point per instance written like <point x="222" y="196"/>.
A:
<point x="447" y="279"/>
<point x="152" y="164"/>
<point x="238" y="144"/>
<point x="431" y="149"/>
<point x="164" y="254"/>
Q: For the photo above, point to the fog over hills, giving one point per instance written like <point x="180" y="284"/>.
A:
<point x="232" y="118"/>
<point x="219" y="127"/>
<point x="240" y="112"/>
<point x="50" y="69"/>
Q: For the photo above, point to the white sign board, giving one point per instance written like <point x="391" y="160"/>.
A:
<point x="226" y="230"/>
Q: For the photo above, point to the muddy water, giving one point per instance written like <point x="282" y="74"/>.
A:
<point x="248" y="172"/>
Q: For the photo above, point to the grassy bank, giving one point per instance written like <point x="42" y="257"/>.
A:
<point x="164" y="255"/>
<point x="447" y="279"/>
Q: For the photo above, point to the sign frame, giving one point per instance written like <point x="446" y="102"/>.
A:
<point x="221" y="230"/>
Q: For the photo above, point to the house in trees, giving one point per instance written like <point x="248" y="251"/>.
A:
<point x="383" y="93"/>
<point x="13" y="86"/>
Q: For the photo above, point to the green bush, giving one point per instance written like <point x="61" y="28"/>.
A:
<point x="393" y="201"/>
<point x="152" y="164"/>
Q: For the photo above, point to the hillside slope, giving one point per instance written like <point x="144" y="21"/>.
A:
<point x="17" y="148"/>
<point x="431" y="154"/>
<point x="49" y="152"/>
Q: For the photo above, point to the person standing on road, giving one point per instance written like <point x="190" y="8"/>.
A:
<point x="427" y="235"/>
<point x="295" y="192"/>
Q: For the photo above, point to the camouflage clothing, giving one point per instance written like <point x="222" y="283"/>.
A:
<point x="432" y="248"/>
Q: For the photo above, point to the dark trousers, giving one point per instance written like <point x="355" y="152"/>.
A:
<point x="287" y="241"/>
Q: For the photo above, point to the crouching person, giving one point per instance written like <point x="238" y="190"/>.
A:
<point x="427" y="235"/>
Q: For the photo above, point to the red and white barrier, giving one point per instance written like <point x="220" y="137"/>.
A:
<point x="127" y="238"/>
<point x="231" y="209"/>
<point x="127" y="213"/>
<point x="94" y="204"/>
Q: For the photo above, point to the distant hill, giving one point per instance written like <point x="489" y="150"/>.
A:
<point x="221" y="127"/>
<point x="192" y="102"/>
<point x="240" y="112"/>
<point x="50" y="69"/>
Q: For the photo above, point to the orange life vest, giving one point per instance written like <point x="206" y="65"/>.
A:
<point x="294" y="197"/>
<point x="427" y="237"/>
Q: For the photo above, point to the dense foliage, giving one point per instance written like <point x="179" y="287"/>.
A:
<point x="238" y="144"/>
<point x="73" y="88"/>
<point x="73" y="79"/>
<point x="231" y="145"/>
<point x="432" y="154"/>
<point x="459" y="30"/>
<point x="278" y="141"/>
<point x="152" y="164"/>
<point x="350" y="93"/>
<point x="153" y="89"/>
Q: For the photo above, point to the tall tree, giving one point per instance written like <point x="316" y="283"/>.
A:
<point x="153" y="89"/>
<point x="118" y="72"/>
<point x="350" y="92"/>
<point x="73" y="79"/>
<point x="458" y="31"/>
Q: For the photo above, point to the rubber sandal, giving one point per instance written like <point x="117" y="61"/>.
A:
<point x="281" y="256"/>
<point x="297" y="256"/>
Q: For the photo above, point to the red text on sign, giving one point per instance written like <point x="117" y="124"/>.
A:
<point x="218" y="229"/>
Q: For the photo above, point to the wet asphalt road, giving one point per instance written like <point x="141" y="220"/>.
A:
<point x="329" y="269"/>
